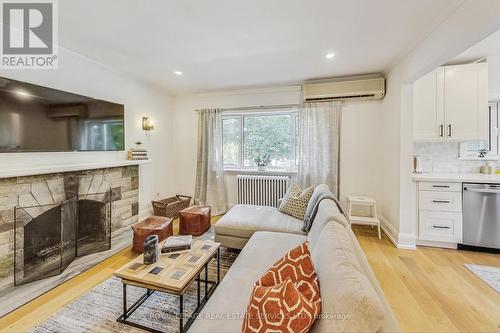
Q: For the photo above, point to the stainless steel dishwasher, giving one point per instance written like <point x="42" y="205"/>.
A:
<point x="481" y="215"/>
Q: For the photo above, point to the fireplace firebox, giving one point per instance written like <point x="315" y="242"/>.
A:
<point x="94" y="230"/>
<point x="49" y="237"/>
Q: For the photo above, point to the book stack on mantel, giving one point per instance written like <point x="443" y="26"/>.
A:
<point x="138" y="153"/>
<point x="177" y="243"/>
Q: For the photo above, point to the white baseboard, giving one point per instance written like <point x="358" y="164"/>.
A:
<point x="452" y="246"/>
<point x="389" y="230"/>
<point x="407" y="241"/>
<point x="400" y="240"/>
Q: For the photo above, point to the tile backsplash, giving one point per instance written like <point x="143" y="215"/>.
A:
<point x="445" y="157"/>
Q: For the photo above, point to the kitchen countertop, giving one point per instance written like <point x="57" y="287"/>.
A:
<point x="456" y="177"/>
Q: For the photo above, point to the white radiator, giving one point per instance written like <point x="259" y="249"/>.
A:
<point x="261" y="190"/>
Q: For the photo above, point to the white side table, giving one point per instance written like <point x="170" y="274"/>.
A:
<point x="372" y="220"/>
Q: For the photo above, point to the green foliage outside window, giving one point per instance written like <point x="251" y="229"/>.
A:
<point x="266" y="140"/>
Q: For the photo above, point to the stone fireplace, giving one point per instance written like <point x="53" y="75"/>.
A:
<point x="55" y="226"/>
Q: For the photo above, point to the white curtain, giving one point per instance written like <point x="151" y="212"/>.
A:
<point x="210" y="189"/>
<point x="319" y="143"/>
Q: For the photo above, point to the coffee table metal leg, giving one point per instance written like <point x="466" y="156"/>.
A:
<point x="199" y="286"/>
<point x="206" y="281"/>
<point x="124" y="301"/>
<point x="181" y="312"/>
<point x="218" y="265"/>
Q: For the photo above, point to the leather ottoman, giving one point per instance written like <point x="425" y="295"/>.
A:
<point x="153" y="225"/>
<point x="194" y="220"/>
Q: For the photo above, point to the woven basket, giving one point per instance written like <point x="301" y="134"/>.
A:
<point x="170" y="207"/>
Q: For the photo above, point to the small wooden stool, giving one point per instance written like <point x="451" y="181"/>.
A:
<point x="363" y="220"/>
<point x="153" y="225"/>
<point x="194" y="220"/>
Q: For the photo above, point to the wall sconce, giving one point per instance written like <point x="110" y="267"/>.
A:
<point x="147" y="124"/>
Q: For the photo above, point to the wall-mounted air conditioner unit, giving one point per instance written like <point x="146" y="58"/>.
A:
<point x="354" y="88"/>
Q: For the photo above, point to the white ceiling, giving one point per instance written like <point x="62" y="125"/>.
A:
<point x="221" y="44"/>
<point x="487" y="48"/>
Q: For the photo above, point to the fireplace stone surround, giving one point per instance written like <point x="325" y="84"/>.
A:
<point x="43" y="194"/>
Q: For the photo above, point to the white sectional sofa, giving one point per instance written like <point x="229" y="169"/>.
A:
<point x="235" y="228"/>
<point x="352" y="300"/>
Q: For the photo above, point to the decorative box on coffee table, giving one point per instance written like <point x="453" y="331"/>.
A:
<point x="194" y="220"/>
<point x="153" y="225"/>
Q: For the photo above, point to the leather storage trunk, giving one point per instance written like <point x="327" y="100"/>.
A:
<point x="194" y="220"/>
<point x="153" y="225"/>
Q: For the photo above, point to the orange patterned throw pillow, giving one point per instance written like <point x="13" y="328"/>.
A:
<point x="295" y="268"/>
<point x="296" y="265"/>
<point x="280" y="308"/>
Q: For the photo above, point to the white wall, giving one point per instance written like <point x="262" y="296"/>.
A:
<point x="361" y="150"/>
<point x="80" y="75"/>
<point x="360" y="137"/>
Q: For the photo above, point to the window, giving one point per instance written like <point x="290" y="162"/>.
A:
<point x="257" y="138"/>
<point x="472" y="149"/>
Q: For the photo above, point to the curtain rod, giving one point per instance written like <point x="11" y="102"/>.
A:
<point x="259" y="107"/>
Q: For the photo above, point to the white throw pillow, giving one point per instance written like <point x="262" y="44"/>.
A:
<point x="295" y="201"/>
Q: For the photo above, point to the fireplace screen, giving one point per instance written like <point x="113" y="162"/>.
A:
<point x="49" y="237"/>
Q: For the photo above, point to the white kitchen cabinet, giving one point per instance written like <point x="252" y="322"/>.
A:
<point x="445" y="227"/>
<point x="466" y="102"/>
<point x="428" y="107"/>
<point x="451" y="104"/>
<point x="441" y="201"/>
<point x="439" y="213"/>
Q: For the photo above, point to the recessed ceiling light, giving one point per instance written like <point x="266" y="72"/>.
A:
<point x="179" y="73"/>
<point x="330" y="55"/>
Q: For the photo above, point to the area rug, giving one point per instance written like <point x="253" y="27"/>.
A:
<point x="98" y="308"/>
<point x="490" y="275"/>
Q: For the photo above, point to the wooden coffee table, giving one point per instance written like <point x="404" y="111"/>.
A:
<point x="173" y="273"/>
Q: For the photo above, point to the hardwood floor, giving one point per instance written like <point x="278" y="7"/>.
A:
<point x="429" y="289"/>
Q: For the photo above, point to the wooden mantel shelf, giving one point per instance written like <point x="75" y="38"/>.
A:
<point x="46" y="169"/>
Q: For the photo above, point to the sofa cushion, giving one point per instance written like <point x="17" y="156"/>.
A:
<point x="225" y="309"/>
<point x="347" y="295"/>
<point x="243" y="220"/>
<point x="296" y="265"/>
<point x="327" y="211"/>
<point x="295" y="201"/>
<point x="390" y="323"/>
<point x="279" y="308"/>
